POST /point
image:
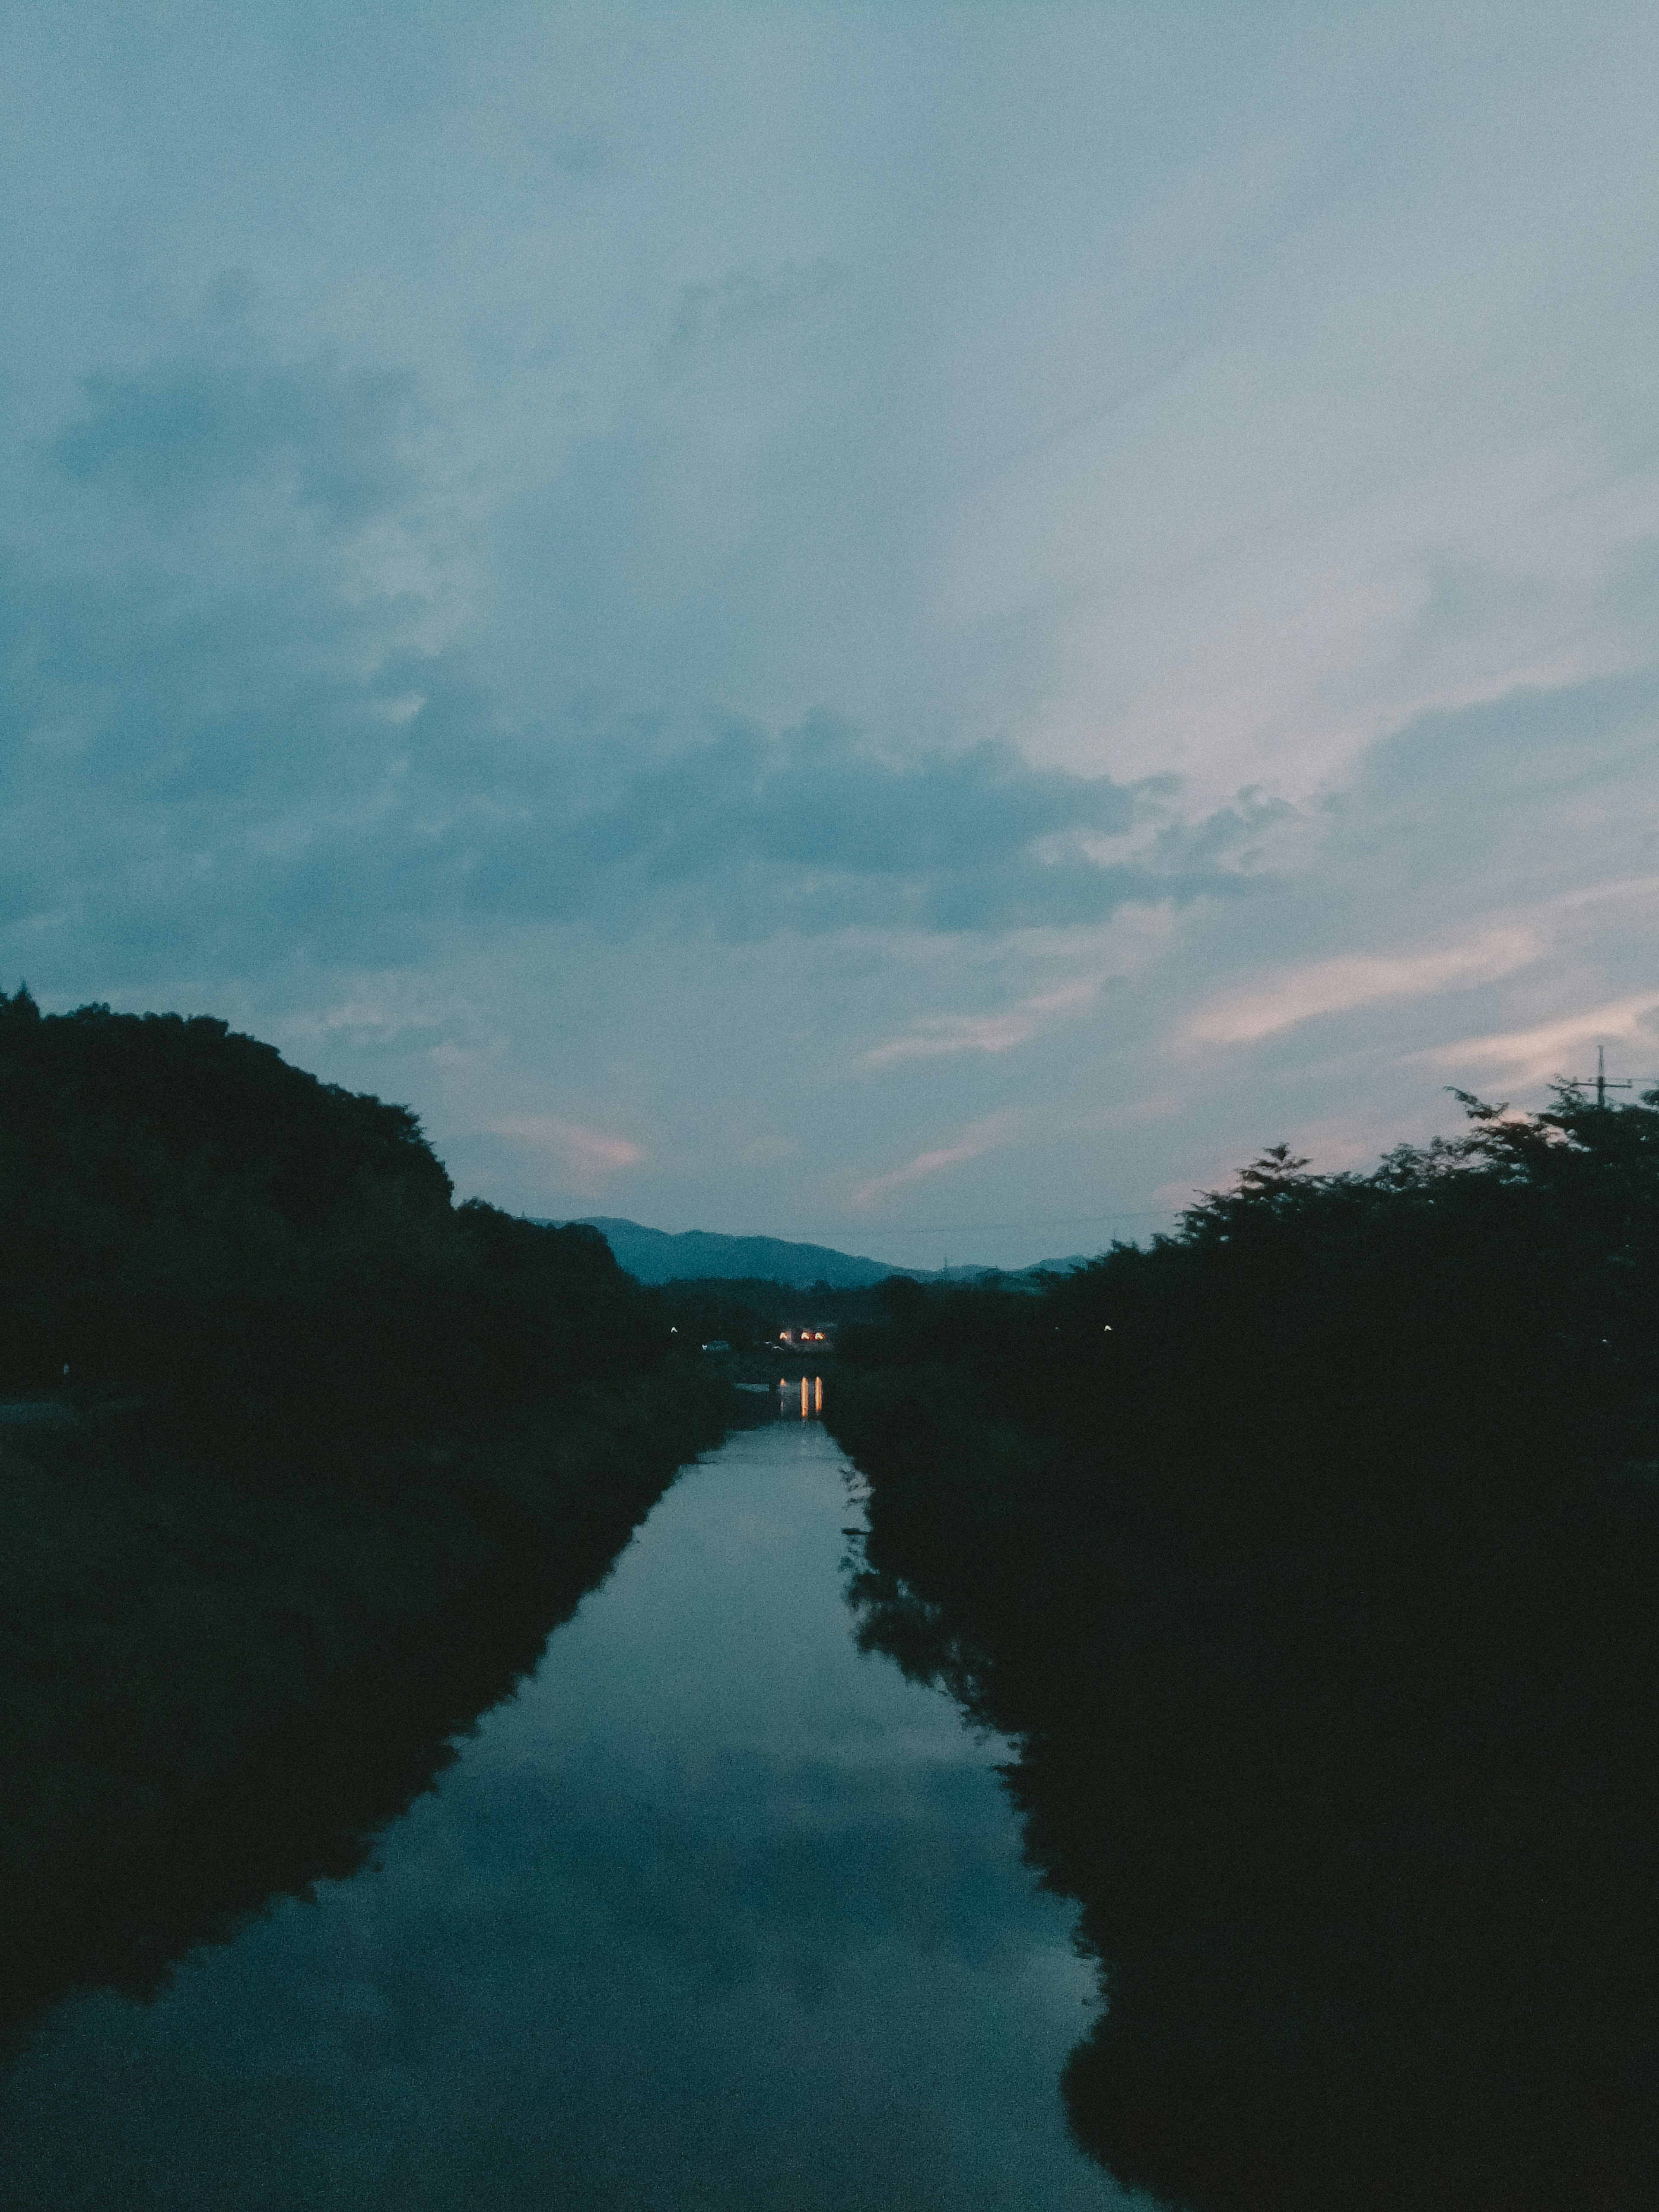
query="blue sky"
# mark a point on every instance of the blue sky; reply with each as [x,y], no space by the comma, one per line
[916,627]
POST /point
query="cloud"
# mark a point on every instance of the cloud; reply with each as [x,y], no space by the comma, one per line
[243,739]
[744,301]
[1335,986]
[817,829]
[549,577]
[260,758]
[938,1034]
[1526,742]
[982,1137]
[1536,1055]
[185,430]
[588,1155]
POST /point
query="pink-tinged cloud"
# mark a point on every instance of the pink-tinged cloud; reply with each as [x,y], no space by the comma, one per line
[982,1137]
[936,1035]
[587,1154]
[1337,987]
[1534,1055]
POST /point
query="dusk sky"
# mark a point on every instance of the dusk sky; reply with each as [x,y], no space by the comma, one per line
[916,627]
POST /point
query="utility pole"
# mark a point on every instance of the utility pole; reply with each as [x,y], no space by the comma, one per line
[1603,1083]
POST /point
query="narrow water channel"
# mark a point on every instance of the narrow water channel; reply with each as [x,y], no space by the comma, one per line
[715,1912]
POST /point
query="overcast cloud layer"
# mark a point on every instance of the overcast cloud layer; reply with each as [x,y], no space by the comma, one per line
[917,628]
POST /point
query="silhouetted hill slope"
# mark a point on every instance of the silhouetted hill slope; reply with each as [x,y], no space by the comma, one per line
[185,1216]
[655,1255]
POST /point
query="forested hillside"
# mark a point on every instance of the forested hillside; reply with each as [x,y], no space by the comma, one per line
[186,1215]
[299,1463]
[1311,1558]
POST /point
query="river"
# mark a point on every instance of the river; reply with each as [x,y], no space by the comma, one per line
[716,1911]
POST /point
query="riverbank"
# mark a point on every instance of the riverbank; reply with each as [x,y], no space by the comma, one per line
[712,1912]
[335,1452]
[222,1670]
[1311,1560]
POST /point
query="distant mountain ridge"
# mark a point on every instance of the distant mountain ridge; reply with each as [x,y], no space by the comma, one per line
[655,1255]
[658,1256]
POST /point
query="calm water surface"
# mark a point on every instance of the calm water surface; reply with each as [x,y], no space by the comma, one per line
[714,1912]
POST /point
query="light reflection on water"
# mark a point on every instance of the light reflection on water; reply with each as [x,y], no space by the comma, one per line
[811,1397]
[715,1912]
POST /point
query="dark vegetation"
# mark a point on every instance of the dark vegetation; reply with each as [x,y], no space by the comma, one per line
[749,1315]
[1310,1557]
[300,1463]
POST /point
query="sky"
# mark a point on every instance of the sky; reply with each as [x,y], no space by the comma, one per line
[918,627]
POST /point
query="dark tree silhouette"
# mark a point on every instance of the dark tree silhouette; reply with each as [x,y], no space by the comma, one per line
[1310,1557]
[330,1455]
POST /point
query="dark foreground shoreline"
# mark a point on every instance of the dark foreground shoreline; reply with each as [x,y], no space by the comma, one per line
[1310,1559]
[334,1454]
[228,1664]
[1366,1860]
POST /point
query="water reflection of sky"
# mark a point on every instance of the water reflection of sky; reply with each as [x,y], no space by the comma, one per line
[716,1913]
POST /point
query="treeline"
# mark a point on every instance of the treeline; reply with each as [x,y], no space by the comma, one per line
[186,1215]
[301,1463]
[749,1313]
[1310,1557]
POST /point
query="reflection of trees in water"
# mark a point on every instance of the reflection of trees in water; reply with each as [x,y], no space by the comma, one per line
[1370,1872]
[329,1455]
[117,1857]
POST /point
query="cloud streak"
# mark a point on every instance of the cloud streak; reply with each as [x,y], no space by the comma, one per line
[936,1036]
[980,1138]
[1355,980]
[588,1156]
[1540,1053]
